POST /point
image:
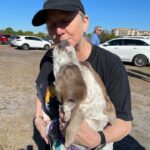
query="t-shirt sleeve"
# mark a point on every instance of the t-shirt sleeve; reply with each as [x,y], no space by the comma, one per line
[45,75]
[119,90]
[45,86]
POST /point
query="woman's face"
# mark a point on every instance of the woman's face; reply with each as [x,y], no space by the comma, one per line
[68,26]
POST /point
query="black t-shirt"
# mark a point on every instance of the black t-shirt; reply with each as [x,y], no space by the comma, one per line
[112,72]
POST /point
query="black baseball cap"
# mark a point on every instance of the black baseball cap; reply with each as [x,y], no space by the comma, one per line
[63,5]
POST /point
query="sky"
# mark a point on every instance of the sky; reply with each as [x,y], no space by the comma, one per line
[108,14]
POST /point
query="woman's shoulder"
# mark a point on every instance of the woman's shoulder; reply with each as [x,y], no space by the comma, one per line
[105,57]
[106,63]
[48,57]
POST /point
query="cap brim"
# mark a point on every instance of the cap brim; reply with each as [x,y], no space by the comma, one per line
[39,18]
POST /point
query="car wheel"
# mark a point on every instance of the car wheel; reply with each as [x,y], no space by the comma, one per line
[46,47]
[25,46]
[140,60]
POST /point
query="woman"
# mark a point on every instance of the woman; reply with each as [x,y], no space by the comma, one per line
[66,20]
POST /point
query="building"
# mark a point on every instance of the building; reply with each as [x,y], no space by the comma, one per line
[144,33]
[129,32]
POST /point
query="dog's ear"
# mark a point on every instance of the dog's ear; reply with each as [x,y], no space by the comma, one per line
[59,82]
[77,118]
[59,87]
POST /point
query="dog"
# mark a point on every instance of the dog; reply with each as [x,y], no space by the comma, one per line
[81,92]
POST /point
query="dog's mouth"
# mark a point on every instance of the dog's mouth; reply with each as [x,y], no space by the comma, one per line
[65,45]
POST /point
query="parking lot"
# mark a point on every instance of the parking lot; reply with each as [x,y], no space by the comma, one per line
[18,71]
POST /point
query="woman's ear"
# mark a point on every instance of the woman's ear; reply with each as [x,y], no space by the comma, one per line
[86,23]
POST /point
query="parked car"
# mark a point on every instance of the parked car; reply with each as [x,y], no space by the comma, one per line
[51,42]
[4,38]
[141,37]
[133,50]
[28,42]
[14,37]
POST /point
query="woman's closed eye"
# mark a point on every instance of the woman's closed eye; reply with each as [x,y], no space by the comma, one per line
[62,24]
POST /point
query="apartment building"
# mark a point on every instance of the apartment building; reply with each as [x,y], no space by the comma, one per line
[129,32]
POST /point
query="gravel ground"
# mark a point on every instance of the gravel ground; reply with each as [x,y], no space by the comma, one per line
[18,71]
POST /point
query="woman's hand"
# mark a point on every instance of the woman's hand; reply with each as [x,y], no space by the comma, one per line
[41,127]
[85,136]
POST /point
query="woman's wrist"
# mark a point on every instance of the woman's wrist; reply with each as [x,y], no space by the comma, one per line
[102,142]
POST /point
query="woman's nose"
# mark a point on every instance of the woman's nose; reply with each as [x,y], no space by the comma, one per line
[60,30]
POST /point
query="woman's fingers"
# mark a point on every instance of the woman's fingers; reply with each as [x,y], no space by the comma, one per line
[41,126]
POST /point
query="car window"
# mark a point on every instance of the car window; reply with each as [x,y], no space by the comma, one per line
[134,42]
[32,38]
[36,39]
[29,38]
[15,37]
[116,42]
[7,36]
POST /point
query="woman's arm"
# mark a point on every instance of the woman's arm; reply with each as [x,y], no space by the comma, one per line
[40,121]
[38,107]
[90,138]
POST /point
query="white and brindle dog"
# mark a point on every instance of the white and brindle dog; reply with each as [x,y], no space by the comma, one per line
[81,92]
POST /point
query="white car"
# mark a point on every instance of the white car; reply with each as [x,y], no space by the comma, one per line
[27,42]
[132,50]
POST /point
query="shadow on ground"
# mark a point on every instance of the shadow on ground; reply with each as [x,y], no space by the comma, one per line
[138,74]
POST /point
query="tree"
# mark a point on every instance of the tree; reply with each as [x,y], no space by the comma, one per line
[9,30]
[106,35]
[40,34]
[20,32]
[1,31]
[28,33]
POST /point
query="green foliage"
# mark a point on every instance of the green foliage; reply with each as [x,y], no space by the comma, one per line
[28,33]
[20,32]
[9,30]
[105,36]
[1,31]
[40,34]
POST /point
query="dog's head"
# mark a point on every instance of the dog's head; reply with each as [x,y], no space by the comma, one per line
[70,87]
[64,53]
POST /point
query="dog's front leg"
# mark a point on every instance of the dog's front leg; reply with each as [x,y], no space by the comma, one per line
[74,124]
